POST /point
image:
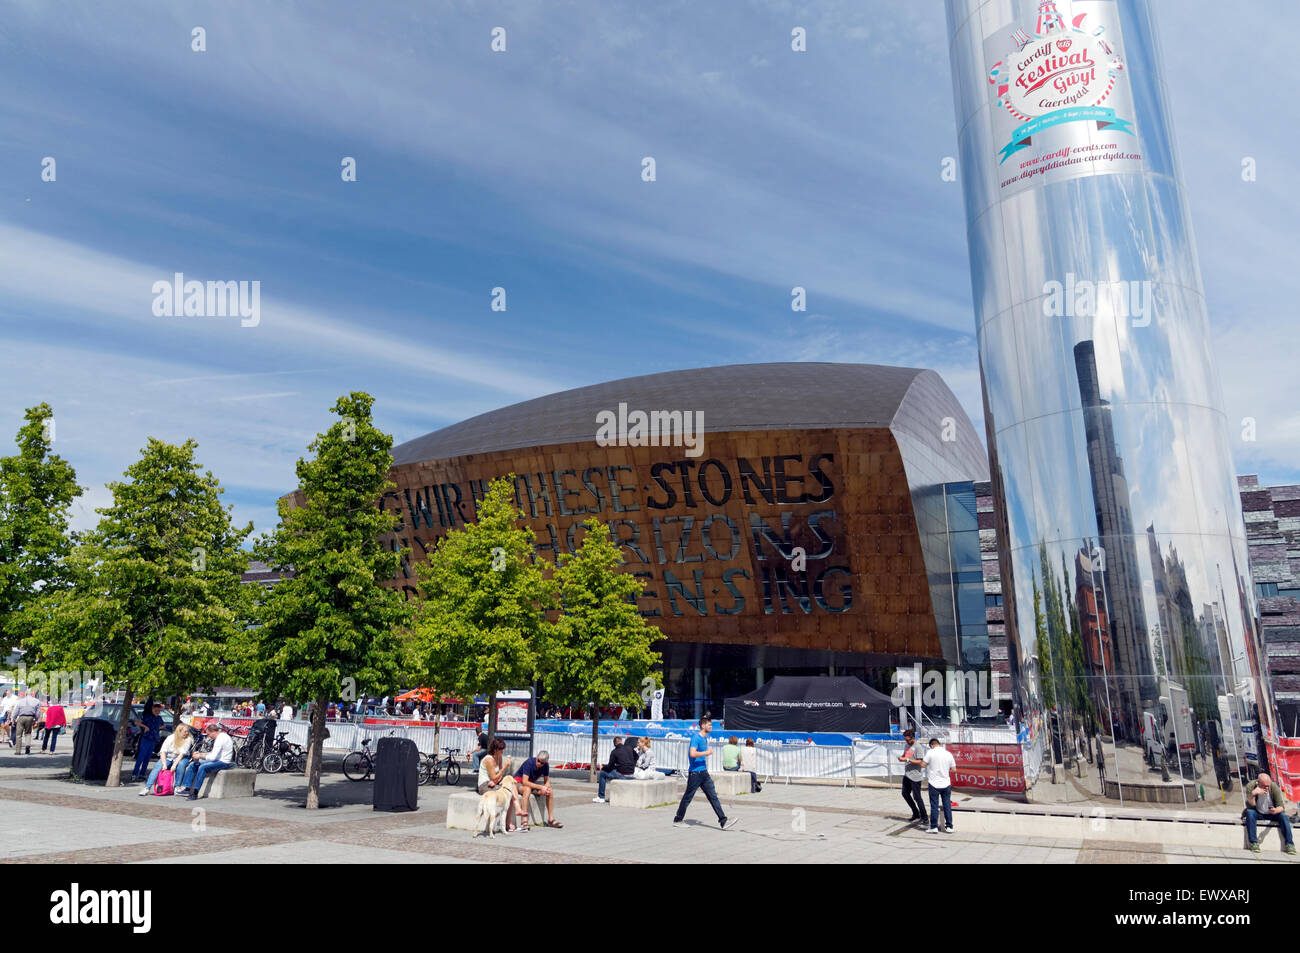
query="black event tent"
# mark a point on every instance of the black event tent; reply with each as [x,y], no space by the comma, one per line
[809,703]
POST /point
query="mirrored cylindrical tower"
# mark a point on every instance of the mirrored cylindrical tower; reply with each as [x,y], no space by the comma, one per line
[1131,615]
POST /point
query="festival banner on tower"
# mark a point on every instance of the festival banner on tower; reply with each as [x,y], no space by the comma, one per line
[1062,106]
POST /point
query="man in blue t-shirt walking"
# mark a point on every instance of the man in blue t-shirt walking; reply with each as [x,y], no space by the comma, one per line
[698,776]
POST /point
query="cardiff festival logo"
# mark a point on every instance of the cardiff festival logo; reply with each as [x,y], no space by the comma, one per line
[1057,75]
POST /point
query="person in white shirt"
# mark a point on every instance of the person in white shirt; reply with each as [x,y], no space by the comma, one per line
[748,763]
[203,763]
[939,765]
[171,757]
[26,708]
[7,715]
[286,713]
[645,762]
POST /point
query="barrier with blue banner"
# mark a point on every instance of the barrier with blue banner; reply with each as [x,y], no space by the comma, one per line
[684,728]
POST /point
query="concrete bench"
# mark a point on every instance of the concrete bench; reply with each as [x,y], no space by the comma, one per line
[462,809]
[231,782]
[730,783]
[643,793]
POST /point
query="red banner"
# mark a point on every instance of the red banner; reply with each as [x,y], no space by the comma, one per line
[989,779]
[1286,766]
[989,767]
[988,755]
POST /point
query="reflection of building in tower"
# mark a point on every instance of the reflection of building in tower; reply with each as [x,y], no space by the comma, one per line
[1094,630]
[1120,578]
[995,601]
[1174,603]
[1214,643]
[1188,643]
[1022,673]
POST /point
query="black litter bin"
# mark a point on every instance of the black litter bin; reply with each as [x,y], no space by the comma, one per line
[397,769]
[92,748]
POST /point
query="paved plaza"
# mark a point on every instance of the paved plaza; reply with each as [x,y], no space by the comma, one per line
[48,818]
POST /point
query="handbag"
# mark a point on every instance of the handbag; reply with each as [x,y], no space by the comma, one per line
[166,782]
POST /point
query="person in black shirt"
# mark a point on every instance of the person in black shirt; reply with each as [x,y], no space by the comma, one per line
[534,779]
[621,766]
[482,751]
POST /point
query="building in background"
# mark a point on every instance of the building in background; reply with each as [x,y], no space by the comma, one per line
[1272,515]
[818,519]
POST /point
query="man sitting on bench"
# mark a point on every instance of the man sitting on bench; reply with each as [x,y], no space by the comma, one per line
[533,779]
[203,763]
[1265,802]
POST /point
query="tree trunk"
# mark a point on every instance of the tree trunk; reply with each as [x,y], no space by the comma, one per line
[492,718]
[119,742]
[595,741]
[314,752]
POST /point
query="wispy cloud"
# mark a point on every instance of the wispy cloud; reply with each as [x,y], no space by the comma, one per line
[522,171]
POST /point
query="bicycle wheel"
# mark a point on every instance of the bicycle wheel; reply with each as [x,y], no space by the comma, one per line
[356,766]
[453,772]
[273,763]
[422,776]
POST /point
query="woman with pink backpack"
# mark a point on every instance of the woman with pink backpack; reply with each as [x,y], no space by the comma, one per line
[177,747]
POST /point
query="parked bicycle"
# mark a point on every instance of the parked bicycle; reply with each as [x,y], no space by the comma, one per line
[431,767]
[358,765]
[285,756]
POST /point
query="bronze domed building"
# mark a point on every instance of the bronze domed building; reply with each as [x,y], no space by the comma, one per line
[785,518]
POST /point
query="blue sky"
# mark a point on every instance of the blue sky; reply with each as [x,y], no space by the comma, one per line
[522,170]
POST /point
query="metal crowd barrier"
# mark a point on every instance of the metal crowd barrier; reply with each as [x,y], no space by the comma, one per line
[865,759]
[875,759]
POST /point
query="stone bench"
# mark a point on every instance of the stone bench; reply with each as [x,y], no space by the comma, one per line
[231,782]
[643,793]
[462,810]
[730,783]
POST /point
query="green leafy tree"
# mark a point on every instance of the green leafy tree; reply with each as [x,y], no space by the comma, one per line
[1046,684]
[154,597]
[332,629]
[599,649]
[1080,674]
[36,491]
[481,620]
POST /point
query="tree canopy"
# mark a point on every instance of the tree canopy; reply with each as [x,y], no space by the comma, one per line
[331,629]
[37,488]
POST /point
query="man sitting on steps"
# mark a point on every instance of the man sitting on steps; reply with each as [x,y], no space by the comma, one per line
[1265,802]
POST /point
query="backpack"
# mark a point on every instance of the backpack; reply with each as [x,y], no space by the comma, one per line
[166,780]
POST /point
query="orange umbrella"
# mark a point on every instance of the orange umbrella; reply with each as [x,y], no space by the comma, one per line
[425,695]
[416,695]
